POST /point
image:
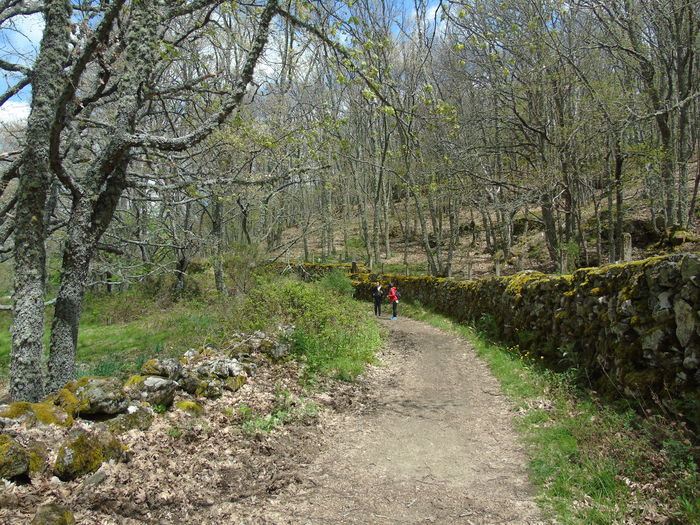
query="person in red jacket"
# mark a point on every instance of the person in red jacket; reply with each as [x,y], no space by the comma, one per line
[393,297]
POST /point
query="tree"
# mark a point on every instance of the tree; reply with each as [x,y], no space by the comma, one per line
[97,104]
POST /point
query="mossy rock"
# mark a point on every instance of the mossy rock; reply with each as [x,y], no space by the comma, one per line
[68,401]
[170,368]
[38,457]
[233,384]
[154,390]
[83,452]
[98,395]
[53,514]
[32,413]
[210,388]
[136,418]
[14,459]
[191,407]
[642,382]
[134,381]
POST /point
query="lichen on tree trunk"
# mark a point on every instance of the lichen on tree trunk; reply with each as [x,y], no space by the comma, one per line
[26,367]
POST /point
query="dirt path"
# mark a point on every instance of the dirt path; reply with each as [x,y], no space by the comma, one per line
[434,445]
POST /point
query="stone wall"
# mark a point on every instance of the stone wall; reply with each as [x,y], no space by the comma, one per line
[633,329]
[312,271]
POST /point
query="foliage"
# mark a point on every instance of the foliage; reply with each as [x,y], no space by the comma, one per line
[120,331]
[240,264]
[592,463]
[333,333]
[284,410]
[337,283]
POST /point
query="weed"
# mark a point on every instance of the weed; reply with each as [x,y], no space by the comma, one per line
[336,282]
[159,408]
[333,336]
[284,410]
[175,432]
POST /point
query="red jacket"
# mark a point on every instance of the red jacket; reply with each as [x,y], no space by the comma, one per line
[392,295]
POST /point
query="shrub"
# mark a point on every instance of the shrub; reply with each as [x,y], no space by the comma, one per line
[333,333]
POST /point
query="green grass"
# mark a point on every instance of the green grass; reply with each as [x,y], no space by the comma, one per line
[118,332]
[334,336]
[592,463]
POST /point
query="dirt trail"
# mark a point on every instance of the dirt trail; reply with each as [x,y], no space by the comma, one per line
[434,445]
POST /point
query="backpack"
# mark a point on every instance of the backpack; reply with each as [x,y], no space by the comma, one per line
[398,294]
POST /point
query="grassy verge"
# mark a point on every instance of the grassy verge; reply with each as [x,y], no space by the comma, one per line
[592,463]
[333,334]
[118,332]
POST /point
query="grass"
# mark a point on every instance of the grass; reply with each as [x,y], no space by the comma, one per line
[118,332]
[592,463]
[334,336]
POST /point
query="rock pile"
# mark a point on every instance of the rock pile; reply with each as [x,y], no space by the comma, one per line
[72,432]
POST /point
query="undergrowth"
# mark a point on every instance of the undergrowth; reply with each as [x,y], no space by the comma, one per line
[119,331]
[284,410]
[333,335]
[592,463]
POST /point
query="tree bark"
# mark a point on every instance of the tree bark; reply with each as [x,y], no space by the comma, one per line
[550,229]
[26,368]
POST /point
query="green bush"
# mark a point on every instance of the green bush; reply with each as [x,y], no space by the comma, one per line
[337,282]
[333,334]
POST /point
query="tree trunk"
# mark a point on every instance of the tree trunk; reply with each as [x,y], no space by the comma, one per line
[87,223]
[66,320]
[26,368]
[619,211]
[218,233]
[550,229]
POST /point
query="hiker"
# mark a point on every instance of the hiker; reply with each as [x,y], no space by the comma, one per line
[378,295]
[393,297]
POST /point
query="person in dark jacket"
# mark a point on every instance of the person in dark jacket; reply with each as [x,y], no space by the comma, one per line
[394,300]
[378,295]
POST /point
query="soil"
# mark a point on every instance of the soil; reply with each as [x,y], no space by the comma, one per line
[433,443]
[426,437]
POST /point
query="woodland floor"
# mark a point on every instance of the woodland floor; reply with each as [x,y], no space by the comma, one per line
[425,438]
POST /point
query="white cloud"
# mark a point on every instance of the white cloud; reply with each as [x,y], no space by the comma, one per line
[31,26]
[14,112]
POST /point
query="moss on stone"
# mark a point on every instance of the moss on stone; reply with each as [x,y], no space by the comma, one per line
[38,456]
[235,383]
[14,459]
[642,381]
[151,368]
[209,388]
[68,401]
[83,453]
[139,419]
[80,456]
[518,281]
[45,412]
[134,381]
[191,407]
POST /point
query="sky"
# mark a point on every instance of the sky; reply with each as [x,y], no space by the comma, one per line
[23,42]
[19,45]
